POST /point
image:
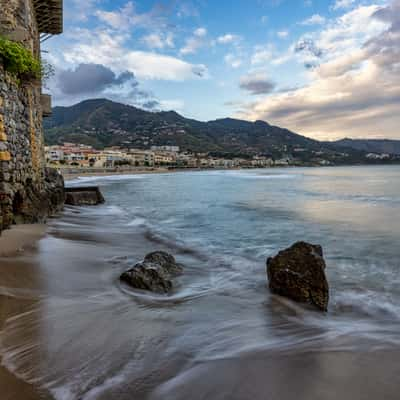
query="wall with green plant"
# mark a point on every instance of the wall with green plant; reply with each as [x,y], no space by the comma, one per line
[19,61]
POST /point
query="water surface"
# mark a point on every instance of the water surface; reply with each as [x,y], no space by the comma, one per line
[221,334]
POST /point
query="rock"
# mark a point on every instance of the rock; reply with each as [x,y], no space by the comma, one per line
[55,193]
[83,196]
[154,273]
[299,274]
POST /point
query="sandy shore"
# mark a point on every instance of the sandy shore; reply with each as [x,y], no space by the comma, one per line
[20,238]
[16,242]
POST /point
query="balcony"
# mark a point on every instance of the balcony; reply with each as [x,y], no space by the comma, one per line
[49,16]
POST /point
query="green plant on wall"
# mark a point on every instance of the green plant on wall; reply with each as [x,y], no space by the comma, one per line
[19,61]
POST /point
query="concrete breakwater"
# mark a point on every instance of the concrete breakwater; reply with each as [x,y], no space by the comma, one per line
[83,196]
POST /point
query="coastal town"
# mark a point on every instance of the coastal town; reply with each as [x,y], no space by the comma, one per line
[86,157]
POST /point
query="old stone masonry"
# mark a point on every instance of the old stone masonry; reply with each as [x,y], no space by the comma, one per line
[28,191]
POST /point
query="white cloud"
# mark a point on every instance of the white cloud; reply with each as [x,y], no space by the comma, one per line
[283,34]
[172,104]
[80,10]
[355,89]
[262,55]
[233,60]
[228,38]
[315,19]
[108,49]
[342,4]
[200,32]
[195,42]
[127,17]
[158,41]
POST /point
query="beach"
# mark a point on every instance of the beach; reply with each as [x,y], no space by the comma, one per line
[71,330]
[20,241]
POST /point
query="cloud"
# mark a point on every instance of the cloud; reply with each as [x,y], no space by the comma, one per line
[256,84]
[195,42]
[233,60]
[228,38]
[282,34]
[200,32]
[127,18]
[80,10]
[355,88]
[315,19]
[262,55]
[92,79]
[159,41]
[342,4]
[100,47]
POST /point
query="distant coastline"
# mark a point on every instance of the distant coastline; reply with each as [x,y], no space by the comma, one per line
[73,173]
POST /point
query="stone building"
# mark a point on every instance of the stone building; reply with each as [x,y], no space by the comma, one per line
[28,192]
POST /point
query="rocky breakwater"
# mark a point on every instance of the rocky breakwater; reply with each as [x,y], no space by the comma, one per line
[154,273]
[299,274]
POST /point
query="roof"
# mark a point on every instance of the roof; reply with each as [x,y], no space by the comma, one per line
[49,16]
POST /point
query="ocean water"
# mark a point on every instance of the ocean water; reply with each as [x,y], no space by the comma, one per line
[87,336]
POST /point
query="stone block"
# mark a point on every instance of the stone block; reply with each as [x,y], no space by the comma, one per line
[5,156]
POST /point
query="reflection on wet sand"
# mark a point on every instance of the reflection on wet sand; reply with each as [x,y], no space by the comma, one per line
[19,290]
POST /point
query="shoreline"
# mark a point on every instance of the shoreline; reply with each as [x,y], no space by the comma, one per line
[19,238]
[17,241]
[70,174]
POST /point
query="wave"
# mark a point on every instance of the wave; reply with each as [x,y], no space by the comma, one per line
[257,175]
[103,179]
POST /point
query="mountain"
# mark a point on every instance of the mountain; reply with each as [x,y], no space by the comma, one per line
[102,123]
[372,145]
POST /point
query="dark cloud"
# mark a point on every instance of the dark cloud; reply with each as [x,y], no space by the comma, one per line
[92,79]
[309,47]
[256,84]
[89,80]
[151,105]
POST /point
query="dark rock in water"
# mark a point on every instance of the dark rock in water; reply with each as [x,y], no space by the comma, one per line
[83,196]
[166,261]
[154,273]
[299,273]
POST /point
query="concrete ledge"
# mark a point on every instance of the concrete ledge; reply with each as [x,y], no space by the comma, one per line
[83,196]
[45,102]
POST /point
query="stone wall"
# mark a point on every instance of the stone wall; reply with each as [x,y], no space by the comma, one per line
[28,192]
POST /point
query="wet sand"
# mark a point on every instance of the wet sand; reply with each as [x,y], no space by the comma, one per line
[19,240]
[365,371]
[314,375]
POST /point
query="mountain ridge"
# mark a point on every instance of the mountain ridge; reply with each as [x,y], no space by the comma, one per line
[103,123]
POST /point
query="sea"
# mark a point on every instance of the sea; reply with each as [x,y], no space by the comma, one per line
[220,334]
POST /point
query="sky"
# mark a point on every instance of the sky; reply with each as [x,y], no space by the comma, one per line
[326,69]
